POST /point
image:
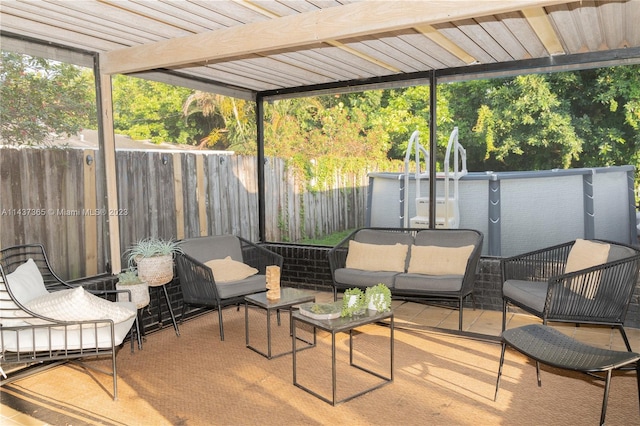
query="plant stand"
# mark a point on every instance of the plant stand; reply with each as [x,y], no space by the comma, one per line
[157,271]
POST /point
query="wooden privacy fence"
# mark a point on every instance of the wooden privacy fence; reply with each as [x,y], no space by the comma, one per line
[57,197]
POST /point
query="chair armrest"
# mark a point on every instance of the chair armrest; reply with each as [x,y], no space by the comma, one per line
[601,293]
[259,257]
[338,254]
[196,280]
[539,265]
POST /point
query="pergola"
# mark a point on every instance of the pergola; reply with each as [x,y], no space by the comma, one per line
[267,50]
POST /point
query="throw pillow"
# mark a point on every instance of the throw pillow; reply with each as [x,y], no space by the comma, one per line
[227,269]
[26,282]
[585,254]
[434,260]
[77,305]
[377,257]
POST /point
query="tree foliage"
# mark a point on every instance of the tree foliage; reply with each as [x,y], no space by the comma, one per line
[530,122]
[43,99]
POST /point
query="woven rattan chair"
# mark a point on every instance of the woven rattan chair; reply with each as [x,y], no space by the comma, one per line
[201,288]
[537,283]
[28,338]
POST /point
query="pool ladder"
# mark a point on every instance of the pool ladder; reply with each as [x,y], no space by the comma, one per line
[447,206]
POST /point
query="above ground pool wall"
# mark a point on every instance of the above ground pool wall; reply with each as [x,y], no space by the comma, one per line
[523,211]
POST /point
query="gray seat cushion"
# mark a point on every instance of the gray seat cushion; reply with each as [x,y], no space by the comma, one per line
[360,278]
[253,284]
[529,293]
[428,283]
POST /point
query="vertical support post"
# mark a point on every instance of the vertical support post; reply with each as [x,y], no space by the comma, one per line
[588,205]
[367,220]
[107,144]
[404,220]
[261,161]
[495,237]
[433,141]
[633,230]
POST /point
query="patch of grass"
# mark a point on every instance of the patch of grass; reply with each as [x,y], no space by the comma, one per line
[328,240]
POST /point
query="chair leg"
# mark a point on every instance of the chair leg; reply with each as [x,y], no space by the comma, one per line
[606,396]
[624,337]
[460,314]
[504,347]
[538,374]
[504,315]
[114,371]
[638,379]
[220,321]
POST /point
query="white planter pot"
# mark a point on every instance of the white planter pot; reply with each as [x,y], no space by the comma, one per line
[375,299]
[139,294]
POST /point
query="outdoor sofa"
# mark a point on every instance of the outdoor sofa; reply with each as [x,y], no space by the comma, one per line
[416,264]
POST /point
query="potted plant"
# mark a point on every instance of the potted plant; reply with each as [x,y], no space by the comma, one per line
[353,302]
[129,280]
[378,298]
[154,259]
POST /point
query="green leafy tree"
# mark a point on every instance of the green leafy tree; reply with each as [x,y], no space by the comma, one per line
[527,126]
[232,124]
[151,110]
[43,99]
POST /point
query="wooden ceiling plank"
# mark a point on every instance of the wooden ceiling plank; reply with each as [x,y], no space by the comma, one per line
[460,38]
[632,11]
[432,54]
[82,25]
[18,25]
[333,23]
[524,34]
[500,32]
[113,12]
[537,18]
[434,35]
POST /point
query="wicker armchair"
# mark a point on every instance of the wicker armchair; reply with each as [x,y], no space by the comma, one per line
[28,338]
[201,287]
[537,283]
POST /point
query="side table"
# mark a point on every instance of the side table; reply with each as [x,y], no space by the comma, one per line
[288,298]
[340,325]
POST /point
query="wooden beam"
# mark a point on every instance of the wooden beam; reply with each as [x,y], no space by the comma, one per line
[109,152]
[304,29]
[437,37]
[540,23]
[90,220]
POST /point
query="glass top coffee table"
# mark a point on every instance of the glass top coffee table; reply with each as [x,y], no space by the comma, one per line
[343,325]
[289,297]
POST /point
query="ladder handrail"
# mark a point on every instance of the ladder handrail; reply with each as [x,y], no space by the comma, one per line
[459,154]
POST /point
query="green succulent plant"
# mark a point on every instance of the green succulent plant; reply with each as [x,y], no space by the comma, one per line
[355,308]
[382,304]
[150,247]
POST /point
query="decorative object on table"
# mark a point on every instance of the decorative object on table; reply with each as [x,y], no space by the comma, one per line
[154,259]
[353,302]
[321,311]
[129,280]
[273,282]
[378,298]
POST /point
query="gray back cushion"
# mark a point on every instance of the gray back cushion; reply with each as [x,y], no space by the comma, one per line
[617,252]
[213,247]
[375,236]
[446,238]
